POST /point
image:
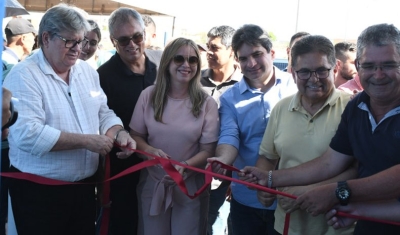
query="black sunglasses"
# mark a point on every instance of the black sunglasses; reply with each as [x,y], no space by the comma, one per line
[124,41]
[180,59]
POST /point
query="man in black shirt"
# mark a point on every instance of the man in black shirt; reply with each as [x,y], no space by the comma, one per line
[123,78]
[222,73]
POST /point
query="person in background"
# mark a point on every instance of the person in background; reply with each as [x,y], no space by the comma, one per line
[63,125]
[300,128]
[151,33]
[368,128]
[223,70]
[352,86]
[345,53]
[176,106]
[123,77]
[297,36]
[244,112]
[222,73]
[203,55]
[93,38]
[20,35]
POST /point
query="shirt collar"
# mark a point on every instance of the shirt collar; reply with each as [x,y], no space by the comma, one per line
[295,103]
[148,66]
[244,86]
[236,75]
[45,66]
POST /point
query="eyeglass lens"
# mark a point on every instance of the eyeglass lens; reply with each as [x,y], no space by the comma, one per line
[306,74]
[192,60]
[124,41]
[72,43]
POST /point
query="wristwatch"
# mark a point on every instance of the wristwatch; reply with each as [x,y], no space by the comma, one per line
[343,193]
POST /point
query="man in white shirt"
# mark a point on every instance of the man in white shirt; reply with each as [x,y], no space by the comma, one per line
[63,125]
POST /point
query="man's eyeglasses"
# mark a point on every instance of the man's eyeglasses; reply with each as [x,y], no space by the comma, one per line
[72,43]
[192,60]
[370,68]
[319,73]
[124,41]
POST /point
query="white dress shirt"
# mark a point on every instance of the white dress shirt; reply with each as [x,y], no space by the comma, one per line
[48,106]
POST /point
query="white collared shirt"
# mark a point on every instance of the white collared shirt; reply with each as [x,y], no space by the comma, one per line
[48,106]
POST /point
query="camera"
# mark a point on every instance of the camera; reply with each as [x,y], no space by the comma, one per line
[14,114]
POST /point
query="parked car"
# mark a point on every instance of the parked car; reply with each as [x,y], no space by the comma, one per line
[281,64]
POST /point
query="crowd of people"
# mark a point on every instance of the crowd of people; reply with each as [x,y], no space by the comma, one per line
[324,130]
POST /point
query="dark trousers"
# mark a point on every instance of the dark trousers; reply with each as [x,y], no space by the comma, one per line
[49,210]
[251,221]
[371,228]
[124,202]
[5,166]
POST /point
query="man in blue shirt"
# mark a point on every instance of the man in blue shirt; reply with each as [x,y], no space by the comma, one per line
[244,113]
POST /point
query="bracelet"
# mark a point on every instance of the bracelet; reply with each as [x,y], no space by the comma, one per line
[185,162]
[119,131]
[269,179]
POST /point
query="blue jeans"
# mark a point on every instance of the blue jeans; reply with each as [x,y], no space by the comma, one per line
[251,221]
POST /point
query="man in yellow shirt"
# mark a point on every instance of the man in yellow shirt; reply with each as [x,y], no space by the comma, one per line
[300,129]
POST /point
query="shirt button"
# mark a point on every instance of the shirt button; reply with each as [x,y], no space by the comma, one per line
[311,121]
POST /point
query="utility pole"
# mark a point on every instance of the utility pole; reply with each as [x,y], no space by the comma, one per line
[297,16]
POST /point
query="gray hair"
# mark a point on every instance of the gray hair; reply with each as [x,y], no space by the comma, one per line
[61,18]
[378,35]
[253,35]
[313,43]
[224,32]
[122,15]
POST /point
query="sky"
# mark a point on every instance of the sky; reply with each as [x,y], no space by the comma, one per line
[335,19]
[339,20]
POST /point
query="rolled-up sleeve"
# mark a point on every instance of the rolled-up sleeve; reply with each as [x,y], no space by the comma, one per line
[229,131]
[30,129]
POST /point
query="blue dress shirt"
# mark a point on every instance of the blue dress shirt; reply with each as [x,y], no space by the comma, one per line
[244,114]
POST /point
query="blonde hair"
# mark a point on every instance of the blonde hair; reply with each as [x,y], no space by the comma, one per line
[163,82]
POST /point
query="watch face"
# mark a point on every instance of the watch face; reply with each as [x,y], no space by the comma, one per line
[343,193]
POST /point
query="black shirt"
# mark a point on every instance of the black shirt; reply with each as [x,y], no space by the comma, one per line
[123,87]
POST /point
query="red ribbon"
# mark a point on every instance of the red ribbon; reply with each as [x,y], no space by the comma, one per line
[105,212]
[168,165]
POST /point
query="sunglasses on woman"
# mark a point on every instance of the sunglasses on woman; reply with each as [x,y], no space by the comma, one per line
[180,59]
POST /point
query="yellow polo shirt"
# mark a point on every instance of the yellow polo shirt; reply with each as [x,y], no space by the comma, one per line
[295,137]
